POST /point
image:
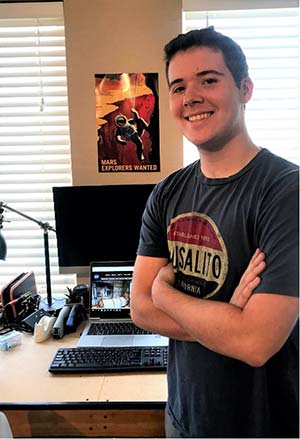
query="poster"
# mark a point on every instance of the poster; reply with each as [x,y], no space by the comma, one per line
[127,122]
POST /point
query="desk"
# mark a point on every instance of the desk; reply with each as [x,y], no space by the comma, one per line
[82,405]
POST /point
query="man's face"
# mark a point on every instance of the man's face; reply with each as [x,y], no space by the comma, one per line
[204,98]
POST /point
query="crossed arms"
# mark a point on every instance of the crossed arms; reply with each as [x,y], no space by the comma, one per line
[251,328]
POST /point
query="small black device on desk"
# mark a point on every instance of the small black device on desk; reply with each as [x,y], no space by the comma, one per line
[116,359]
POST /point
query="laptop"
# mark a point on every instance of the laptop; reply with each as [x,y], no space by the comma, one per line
[109,306]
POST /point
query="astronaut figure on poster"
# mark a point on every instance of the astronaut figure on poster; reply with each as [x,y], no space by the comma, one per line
[131,130]
[127,122]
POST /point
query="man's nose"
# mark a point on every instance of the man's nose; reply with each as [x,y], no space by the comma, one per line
[192,96]
[189,102]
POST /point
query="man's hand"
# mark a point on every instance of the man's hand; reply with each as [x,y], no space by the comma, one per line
[250,280]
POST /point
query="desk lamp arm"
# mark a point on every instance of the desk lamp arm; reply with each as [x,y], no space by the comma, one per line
[46,227]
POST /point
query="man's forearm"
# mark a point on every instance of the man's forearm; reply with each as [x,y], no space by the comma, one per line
[147,316]
[216,325]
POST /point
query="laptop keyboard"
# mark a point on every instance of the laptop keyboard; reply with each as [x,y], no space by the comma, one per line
[115,328]
[117,359]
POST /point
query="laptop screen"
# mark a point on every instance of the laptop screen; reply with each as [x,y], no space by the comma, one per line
[110,287]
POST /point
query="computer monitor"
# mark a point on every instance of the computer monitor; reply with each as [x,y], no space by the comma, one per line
[98,223]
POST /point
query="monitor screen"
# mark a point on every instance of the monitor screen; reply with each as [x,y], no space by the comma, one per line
[98,223]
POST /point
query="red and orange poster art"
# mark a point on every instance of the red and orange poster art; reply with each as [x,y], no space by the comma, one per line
[127,122]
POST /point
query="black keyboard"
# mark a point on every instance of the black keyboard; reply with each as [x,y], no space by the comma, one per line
[116,359]
[115,328]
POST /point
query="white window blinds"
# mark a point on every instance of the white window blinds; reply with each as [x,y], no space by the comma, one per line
[34,137]
[270,40]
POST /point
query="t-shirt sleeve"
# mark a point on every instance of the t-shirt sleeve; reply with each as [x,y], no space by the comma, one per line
[278,238]
[153,240]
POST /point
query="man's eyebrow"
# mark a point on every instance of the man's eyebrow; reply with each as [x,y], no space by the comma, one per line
[207,72]
[201,73]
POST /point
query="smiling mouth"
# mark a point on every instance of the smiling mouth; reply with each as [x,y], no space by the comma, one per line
[199,116]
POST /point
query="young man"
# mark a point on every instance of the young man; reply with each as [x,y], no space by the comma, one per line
[233,361]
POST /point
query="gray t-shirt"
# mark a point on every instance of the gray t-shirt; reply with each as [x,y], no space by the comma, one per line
[209,230]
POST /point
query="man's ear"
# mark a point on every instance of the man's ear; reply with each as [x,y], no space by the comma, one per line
[246,90]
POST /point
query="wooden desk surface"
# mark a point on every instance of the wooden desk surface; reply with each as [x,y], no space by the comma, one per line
[24,377]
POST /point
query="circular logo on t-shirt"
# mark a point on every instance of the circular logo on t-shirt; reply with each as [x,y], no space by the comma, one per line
[198,254]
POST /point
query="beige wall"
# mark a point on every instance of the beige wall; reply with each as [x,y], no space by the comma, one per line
[111,36]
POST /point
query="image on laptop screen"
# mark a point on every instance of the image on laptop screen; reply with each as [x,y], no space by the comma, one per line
[110,288]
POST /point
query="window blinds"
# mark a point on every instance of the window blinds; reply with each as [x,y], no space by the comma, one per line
[34,141]
[270,40]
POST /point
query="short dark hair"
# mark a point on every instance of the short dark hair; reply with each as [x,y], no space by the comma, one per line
[233,55]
